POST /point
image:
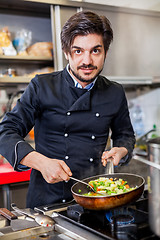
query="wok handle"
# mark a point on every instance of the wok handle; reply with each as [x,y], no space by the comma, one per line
[110,166]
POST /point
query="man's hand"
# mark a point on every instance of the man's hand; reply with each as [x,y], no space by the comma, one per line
[116,153]
[52,170]
[55,171]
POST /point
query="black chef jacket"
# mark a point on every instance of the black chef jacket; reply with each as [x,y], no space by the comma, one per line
[70,124]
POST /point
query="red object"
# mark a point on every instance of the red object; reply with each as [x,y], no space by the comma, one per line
[8,175]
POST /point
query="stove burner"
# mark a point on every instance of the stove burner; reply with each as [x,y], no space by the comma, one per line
[123,223]
[120,216]
[122,219]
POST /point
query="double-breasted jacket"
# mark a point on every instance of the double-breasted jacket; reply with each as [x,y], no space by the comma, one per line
[70,124]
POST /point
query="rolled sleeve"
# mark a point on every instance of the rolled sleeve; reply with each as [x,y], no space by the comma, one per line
[22,149]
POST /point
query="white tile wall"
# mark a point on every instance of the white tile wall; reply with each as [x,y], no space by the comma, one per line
[150,105]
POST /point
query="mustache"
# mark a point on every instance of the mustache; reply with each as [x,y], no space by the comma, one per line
[90,66]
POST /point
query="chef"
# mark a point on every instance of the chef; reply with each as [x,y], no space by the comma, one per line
[72,112]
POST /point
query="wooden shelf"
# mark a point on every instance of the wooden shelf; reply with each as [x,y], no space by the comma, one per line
[26,58]
[15,80]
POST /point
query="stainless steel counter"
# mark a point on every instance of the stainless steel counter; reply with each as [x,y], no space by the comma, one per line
[62,229]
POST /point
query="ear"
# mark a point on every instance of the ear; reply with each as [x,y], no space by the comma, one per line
[66,55]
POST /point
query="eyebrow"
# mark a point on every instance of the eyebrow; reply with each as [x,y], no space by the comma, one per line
[97,46]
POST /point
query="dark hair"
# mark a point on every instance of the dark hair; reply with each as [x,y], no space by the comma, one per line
[83,23]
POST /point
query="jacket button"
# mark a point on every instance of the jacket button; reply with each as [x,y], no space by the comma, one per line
[97,114]
[66,157]
[91,159]
[63,200]
[68,113]
[93,137]
[66,134]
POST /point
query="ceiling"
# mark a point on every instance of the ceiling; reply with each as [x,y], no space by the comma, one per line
[153,5]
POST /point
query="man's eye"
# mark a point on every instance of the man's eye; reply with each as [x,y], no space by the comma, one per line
[96,50]
[78,51]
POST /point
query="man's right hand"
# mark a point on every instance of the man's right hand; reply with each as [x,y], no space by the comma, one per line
[52,170]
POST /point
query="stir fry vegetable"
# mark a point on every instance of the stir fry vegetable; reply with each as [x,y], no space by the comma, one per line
[109,186]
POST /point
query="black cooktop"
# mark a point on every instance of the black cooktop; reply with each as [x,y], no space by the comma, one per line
[124,223]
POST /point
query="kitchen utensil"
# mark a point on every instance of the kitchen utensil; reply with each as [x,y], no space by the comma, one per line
[111,201]
[80,181]
[77,180]
[41,219]
[15,223]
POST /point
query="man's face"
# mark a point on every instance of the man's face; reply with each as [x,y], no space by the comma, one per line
[87,58]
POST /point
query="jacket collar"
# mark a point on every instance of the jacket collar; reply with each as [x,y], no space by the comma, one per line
[83,102]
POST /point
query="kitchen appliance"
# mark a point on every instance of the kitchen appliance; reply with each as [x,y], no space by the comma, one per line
[130,222]
[153,154]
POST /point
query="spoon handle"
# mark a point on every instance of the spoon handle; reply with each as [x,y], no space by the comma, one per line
[14,206]
[77,180]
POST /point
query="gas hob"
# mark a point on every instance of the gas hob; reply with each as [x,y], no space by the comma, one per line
[129,222]
[74,222]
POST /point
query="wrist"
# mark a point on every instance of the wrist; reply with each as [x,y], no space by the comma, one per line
[124,151]
[33,160]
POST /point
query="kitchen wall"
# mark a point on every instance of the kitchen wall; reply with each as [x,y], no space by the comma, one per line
[136,4]
[134,51]
[149,102]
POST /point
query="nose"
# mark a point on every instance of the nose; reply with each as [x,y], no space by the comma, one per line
[87,58]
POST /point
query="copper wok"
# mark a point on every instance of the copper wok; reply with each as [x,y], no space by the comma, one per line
[109,202]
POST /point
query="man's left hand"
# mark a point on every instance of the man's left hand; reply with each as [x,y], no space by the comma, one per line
[116,153]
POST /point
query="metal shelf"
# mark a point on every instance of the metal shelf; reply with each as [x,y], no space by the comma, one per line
[135,81]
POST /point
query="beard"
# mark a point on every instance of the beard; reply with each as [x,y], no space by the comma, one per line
[87,67]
